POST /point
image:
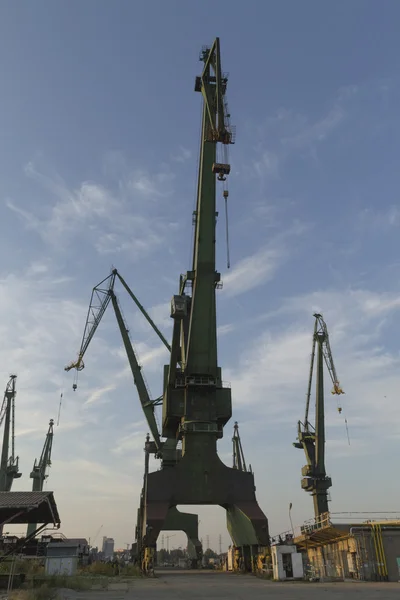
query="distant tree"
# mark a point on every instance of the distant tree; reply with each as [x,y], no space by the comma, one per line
[210,554]
[162,556]
[176,554]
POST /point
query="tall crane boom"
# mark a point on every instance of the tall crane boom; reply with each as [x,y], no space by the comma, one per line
[39,471]
[142,389]
[194,360]
[312,438]
[196,403]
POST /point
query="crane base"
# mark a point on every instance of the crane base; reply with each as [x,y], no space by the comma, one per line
[204,479]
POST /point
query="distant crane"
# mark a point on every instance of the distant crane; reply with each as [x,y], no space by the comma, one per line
[8,464]
[96,535]
[312,438]
[238,455]
[39,471]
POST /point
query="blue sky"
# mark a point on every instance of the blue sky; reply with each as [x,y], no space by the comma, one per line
[98,162]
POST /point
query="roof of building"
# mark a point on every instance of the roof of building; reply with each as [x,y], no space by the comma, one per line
[28,507]
[79,541]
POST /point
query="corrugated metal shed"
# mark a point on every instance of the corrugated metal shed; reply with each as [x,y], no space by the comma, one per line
[28,507]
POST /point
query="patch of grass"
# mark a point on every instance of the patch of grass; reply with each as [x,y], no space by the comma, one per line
[27,566]
[108,570]
[42,593]
[131,571]
[98,568]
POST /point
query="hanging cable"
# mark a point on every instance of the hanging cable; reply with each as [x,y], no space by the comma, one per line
[347,431]
[228,260]
[59,409]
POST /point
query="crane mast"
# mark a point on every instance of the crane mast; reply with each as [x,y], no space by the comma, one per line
[8,464]
[39,471]
[192,380]
[312,438]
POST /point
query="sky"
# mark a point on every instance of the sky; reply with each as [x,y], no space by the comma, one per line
[99,146]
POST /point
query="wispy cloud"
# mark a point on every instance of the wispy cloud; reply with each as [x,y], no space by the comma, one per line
[276,364]
[254,270]
[381,219]
[182,155]
[99,393]
[260,267]
[288,132]
[119,220]
[225,329]
[154,185]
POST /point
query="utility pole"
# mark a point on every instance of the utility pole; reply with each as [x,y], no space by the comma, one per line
[208,541]
[220,544]
[167,538]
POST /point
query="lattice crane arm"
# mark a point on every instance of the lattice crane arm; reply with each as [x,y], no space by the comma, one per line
[143,311]
[98,304]
[323,337]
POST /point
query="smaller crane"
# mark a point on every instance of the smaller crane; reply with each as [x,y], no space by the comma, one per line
[38,473]
[9,464]
[312,439]
[238,455]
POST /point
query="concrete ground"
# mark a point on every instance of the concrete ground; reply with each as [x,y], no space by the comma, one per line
[209,585]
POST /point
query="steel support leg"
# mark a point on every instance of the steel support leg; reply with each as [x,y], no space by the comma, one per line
[206,481]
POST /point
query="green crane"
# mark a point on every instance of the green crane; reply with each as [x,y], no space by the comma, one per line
[9,468]
[312,438]
[196,402]
[39,471]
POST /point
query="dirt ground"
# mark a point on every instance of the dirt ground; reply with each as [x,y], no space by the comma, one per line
[202,585]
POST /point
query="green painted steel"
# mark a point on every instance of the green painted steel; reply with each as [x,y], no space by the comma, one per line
[39,471]
[196,404]
[312,438]
[9,465]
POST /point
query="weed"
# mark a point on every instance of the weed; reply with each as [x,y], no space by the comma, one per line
[42,593]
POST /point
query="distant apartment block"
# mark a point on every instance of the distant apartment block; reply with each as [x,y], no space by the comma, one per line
[108,548]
